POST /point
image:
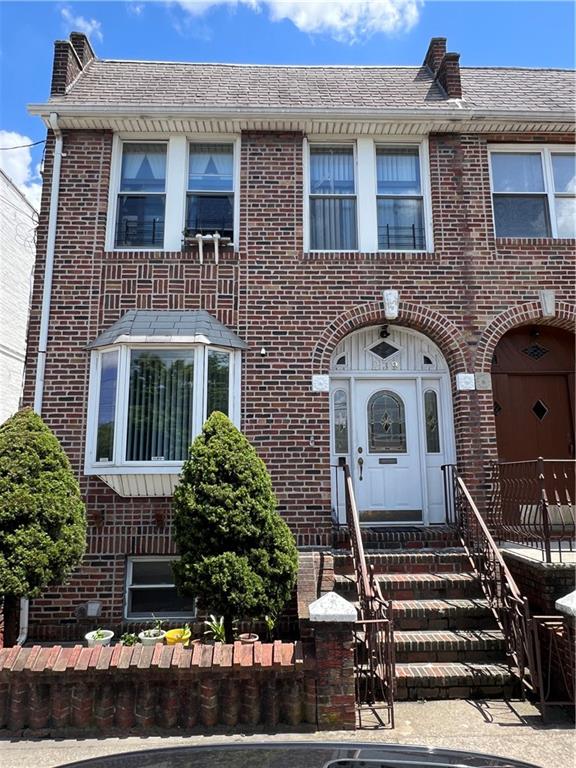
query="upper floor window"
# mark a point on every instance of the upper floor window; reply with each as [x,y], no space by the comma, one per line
[368,197]
[534,192]
[210,200]
[162,190]
[142,196]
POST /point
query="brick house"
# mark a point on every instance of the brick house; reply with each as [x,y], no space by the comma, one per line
[373,263]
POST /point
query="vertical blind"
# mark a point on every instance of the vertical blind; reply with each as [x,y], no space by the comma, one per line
[332,199]
[160,408]
[107,406]
[400,203]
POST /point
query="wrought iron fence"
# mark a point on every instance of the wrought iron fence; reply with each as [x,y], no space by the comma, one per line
[507,603]
[533,504]
[554,655]
[374,632]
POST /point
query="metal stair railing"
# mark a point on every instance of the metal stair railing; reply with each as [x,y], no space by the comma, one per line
[507,603]
[374,631]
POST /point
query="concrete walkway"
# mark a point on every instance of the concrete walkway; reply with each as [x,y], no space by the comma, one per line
[511,729]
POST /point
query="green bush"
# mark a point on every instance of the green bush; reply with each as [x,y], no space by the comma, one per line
[42,516]
[237,555]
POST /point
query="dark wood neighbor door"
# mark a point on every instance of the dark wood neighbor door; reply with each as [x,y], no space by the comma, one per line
[533,387]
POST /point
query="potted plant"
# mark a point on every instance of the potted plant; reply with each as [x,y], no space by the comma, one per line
[153,635]
[179,635]
[215,631]
[98,637]
[128,638]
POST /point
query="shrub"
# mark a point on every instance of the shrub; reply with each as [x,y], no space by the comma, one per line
[237,555]
[42,516]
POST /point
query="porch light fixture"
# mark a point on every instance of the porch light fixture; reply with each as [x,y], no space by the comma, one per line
[391,301]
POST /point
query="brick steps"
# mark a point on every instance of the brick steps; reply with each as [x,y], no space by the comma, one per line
[449,560]
[417,586]
[437,537]
[456,613]
[450,645]
[453,681]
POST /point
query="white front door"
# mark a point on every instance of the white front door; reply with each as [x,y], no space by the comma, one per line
[386,451]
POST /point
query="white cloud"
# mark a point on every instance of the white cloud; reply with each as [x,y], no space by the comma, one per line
[345,20]
[17,164]
[91,27]
[136,9]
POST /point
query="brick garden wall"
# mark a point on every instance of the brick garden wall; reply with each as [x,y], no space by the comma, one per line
[541,583]
[464,296]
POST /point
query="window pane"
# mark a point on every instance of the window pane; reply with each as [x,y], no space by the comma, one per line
[107,406]
[218,382]
[164,601]
[386,424]
[564,167]
[432,427]
[516,216]
[160,405]
[340,422]
[333,224]
[398,171]
[207,214]
[566,216]
[140,221]
[516,172]
[331,170]
[400,224]
[211,167]
[143,168]
[152,572]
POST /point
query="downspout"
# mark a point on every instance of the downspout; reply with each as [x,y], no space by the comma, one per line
[45,313]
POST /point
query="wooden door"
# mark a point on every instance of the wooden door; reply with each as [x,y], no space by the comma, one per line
[533,387]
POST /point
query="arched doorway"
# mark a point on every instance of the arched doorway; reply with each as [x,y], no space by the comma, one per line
[533,387]
[391,419]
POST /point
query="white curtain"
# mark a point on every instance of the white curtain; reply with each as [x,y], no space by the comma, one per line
[398,171]
[142,161]
[331,170]
[211,167]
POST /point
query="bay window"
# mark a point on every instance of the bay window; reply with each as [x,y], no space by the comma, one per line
[141,200]
[533,191]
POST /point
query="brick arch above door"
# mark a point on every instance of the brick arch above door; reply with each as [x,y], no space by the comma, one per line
[436,326]
[517,315]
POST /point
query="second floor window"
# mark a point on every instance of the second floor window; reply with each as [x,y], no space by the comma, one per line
[142,196]
[399,199]
[210,199]
[332,199]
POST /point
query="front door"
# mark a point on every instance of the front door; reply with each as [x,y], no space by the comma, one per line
[386,452]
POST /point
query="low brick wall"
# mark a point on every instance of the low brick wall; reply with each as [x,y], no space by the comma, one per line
[56,688]
[542,583]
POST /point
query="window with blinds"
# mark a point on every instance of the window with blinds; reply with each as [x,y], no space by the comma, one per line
[333,225]
[141,199]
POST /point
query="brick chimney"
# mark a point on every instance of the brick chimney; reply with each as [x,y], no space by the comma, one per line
[435,54]
[70,58]
[445,67]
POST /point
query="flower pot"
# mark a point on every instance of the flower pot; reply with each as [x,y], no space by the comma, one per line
[248,638]
[98,637]
[175,636]
[147,638]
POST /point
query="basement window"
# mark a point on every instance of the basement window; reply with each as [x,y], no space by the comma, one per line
[151,591]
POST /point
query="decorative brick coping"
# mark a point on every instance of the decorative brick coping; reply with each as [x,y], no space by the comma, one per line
[162,686]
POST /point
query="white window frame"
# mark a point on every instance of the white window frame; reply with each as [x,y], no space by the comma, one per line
[545,151]
[129,586]
[366,189]
[118,464]
[176,186]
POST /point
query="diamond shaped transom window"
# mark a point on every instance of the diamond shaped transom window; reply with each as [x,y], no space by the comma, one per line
[540,409]
[383,350]
[535,351]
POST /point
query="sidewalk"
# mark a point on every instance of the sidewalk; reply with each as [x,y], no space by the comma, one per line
[512,729]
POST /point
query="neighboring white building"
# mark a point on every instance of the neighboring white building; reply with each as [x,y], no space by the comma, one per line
[18,219]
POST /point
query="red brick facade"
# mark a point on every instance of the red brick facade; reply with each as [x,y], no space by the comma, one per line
[297,305]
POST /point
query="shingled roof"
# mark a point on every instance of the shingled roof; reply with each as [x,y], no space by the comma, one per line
[241,87]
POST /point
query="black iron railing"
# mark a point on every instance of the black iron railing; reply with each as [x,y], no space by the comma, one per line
[403,238]
[554,655]
[533,504]
[374,631]
[507,603]
[140,234]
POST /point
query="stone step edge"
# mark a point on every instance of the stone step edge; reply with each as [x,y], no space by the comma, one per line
[455,605]
[449,639]
[453,672]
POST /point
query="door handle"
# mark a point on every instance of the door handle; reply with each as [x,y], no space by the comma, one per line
[361,465]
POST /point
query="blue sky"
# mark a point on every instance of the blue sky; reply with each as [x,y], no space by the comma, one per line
[496,33]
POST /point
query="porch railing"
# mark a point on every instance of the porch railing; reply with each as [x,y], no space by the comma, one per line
[507,603]
[374,631]
[533,504]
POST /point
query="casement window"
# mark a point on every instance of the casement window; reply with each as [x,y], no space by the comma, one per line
[367,196]
[164,190]
[332,199]
[151,591]
[210,199]
[150,401]
[533,191]
[142,196]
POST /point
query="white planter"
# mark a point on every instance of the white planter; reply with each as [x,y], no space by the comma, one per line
[147,639]
[105,635]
